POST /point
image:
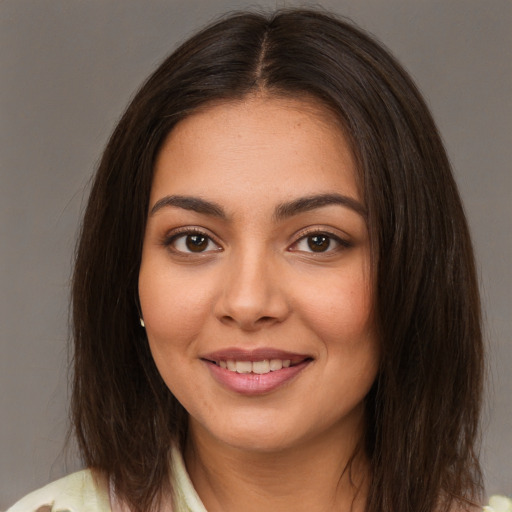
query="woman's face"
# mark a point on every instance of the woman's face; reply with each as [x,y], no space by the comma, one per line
[255,282]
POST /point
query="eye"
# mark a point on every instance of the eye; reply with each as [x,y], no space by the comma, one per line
[320,242]
[192,242]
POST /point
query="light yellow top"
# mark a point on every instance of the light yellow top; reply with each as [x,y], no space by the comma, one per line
[78,492]
[81,492]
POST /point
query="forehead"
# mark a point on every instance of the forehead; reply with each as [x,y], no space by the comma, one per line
[253,146]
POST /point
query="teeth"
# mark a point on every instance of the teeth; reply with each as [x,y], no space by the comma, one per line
[243,366]
[275,364]
[261,367]
[258,367]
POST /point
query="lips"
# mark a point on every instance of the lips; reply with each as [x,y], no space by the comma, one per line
[254,372]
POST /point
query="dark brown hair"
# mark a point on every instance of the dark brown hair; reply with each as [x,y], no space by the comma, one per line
[423,410]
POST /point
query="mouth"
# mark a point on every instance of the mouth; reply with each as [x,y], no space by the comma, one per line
[255,372]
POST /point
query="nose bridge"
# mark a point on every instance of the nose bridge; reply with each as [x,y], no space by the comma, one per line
[252,295]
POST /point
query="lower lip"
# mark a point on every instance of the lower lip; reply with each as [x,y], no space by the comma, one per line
[253,383]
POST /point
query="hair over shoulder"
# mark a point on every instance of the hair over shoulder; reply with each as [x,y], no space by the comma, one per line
[423,410]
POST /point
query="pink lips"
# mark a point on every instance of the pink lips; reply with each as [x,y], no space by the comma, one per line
[252,383]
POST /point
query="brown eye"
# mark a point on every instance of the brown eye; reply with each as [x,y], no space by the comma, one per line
[192,242]
[319,243]
[196,243]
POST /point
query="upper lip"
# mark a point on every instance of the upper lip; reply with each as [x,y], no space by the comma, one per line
[258,354]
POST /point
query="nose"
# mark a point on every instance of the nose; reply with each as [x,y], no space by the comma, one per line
[252,293]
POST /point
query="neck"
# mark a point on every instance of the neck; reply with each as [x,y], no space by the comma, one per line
[324,474]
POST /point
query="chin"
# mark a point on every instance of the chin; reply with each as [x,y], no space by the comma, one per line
[258,442]
[259,435]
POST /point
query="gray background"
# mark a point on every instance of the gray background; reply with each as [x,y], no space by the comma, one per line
[67,70]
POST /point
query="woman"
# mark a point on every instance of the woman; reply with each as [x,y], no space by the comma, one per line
[275,303]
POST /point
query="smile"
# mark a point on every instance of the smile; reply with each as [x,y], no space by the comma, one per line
[255,372]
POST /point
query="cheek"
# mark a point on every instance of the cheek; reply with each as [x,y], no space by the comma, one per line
[173,311]
[339,309]
[340,316]
[173,307]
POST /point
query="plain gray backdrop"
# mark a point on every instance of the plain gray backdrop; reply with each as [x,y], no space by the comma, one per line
[68,69]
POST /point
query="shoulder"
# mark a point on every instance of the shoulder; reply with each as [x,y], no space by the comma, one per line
[78,492]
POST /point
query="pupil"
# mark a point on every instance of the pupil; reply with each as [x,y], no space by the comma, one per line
[196,243]
[318,243]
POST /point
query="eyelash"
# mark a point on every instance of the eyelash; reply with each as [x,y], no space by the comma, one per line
[342,244]
[170,242]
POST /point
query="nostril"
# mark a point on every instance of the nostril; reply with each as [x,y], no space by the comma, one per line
[248,324]
[265,319]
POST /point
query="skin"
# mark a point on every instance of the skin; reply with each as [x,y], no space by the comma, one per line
[258,284]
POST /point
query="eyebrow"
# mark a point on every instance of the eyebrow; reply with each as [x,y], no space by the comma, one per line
[195,204]
[282,211]
[305,204]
